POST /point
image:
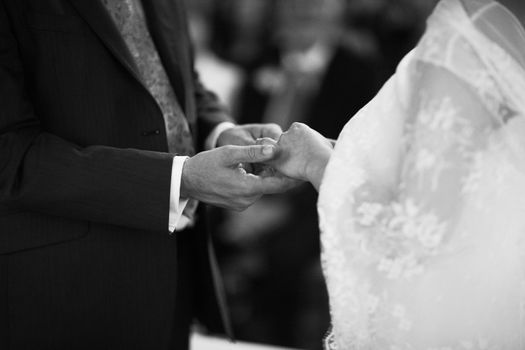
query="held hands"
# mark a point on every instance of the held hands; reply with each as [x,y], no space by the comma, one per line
[248,134]
[302,153]
[222,176]
[215,177]
[244,135]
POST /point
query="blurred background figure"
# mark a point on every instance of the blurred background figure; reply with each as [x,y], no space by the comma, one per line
[221,76]
[314,61]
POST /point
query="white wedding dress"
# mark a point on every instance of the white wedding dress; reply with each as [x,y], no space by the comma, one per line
[422,206]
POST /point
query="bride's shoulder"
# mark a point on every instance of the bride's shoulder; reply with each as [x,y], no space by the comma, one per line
[447,37]
[458,10]
[460,33]
[474,6]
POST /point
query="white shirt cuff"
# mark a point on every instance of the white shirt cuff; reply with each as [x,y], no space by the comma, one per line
[211,140]
[176,220]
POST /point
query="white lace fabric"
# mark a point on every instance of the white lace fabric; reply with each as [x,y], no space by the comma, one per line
[422,207]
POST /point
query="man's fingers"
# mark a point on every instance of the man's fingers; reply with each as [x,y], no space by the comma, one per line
[271,184]
[272,131]
[266,141]
[249,154]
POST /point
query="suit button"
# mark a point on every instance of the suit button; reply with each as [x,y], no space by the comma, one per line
[151,132]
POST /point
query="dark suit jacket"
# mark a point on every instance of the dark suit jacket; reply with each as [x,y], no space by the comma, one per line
[85,178]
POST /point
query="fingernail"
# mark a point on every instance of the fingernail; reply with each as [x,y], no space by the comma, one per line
[268,150]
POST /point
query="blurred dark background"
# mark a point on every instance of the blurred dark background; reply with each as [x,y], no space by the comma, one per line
[314,61]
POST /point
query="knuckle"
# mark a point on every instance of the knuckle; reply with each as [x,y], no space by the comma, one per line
[227,152]
[227,149]
[222,152]
[248,202]
[252,154]
[238,208]
[242,204]
[240,188]
[295,126]
[274,126]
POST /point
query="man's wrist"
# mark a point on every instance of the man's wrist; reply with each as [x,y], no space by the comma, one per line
[183,184]
[211,140]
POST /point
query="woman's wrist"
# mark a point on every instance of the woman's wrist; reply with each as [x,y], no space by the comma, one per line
[316,167]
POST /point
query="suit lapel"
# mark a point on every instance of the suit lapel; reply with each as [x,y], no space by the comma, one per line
[167,25]
[95,14]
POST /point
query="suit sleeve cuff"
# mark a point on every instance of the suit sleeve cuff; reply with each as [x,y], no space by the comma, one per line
[177,204]
[211,140]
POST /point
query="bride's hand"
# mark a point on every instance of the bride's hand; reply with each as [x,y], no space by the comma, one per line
[302,153]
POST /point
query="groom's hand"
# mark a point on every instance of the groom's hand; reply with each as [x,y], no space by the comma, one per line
[248,134]
[216,177]
[244,135]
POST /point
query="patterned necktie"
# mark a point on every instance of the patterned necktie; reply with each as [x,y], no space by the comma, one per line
[129,18]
